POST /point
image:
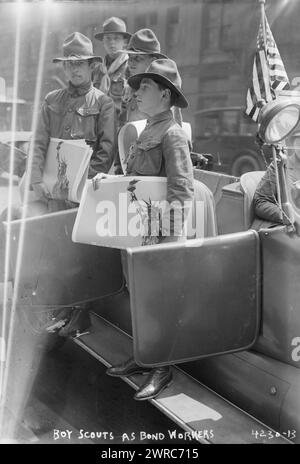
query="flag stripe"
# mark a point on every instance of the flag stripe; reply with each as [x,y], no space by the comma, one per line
[268,73]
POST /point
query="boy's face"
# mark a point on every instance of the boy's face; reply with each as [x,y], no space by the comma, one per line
[113,43]
[149,97]
[139,63]
[78,72]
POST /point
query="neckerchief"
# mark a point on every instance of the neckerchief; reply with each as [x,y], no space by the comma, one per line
[116,64]
[78,90]
[108,71]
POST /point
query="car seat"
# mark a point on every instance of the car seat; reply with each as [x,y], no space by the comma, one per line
[249,182]
[204,211]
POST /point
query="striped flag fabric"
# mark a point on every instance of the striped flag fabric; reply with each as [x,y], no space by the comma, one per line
[268,73]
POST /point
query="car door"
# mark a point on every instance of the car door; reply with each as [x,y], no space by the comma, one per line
[194,300]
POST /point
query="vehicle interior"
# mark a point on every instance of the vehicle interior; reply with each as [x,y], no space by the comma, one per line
[118,319]
[222,308]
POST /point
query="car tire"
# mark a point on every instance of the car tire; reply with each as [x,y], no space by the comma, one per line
[246,162]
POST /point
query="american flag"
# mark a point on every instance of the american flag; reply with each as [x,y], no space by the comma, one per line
[268,73]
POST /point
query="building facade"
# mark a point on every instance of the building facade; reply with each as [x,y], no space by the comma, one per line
[212,41]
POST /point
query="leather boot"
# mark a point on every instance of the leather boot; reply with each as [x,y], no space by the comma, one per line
[157,380]
[129,367]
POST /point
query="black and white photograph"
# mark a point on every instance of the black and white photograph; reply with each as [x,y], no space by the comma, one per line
[149,225]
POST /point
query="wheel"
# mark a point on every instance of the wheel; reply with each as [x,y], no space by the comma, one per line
[245,163]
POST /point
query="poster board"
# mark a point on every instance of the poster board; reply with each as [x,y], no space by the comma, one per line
[128,211]
[115,214]
[66,168]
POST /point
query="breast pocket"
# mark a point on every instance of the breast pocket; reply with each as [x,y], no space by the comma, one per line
[149,158]
[84,124]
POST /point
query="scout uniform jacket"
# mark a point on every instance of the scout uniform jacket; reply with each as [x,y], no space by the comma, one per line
[162,150]
[76,113]
[111,79]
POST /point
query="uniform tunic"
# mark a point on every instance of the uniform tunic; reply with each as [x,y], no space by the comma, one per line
[110,78]
[76,113]
[162,150]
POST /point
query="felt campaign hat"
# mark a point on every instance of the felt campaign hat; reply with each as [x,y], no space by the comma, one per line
[113,25]
[163,71]
[77,47]
[144,42]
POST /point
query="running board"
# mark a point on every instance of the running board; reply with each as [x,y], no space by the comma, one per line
[204,415]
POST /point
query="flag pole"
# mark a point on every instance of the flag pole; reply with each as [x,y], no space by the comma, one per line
[263,20]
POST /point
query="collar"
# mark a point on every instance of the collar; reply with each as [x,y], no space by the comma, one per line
[108,60]
[113,65]
[77,91]
[160,117]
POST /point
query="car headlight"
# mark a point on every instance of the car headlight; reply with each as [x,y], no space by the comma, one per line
[277,120]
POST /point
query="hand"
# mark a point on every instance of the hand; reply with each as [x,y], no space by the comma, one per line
[91,143]
[100,176]
[41,191]
[97,178]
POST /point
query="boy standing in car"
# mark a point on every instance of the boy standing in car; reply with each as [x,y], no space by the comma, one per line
[161,150]
[143,48]
[79,111]
[110,76]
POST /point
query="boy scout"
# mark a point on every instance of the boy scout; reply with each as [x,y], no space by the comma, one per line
[79,111]
[143,48]
[110,76]
[161,150]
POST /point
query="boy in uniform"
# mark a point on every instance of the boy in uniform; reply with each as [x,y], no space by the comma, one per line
[79,111]
[143,48]
[162,149]
[110,76]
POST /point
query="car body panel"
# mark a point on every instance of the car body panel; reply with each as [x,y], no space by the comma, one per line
[55,271]
[260,385]
[179,315]
[281,294]
[20,140]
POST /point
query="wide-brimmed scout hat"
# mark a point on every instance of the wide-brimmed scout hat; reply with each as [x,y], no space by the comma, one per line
[144,42]
[113,25]
[77,47]
[163,71]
